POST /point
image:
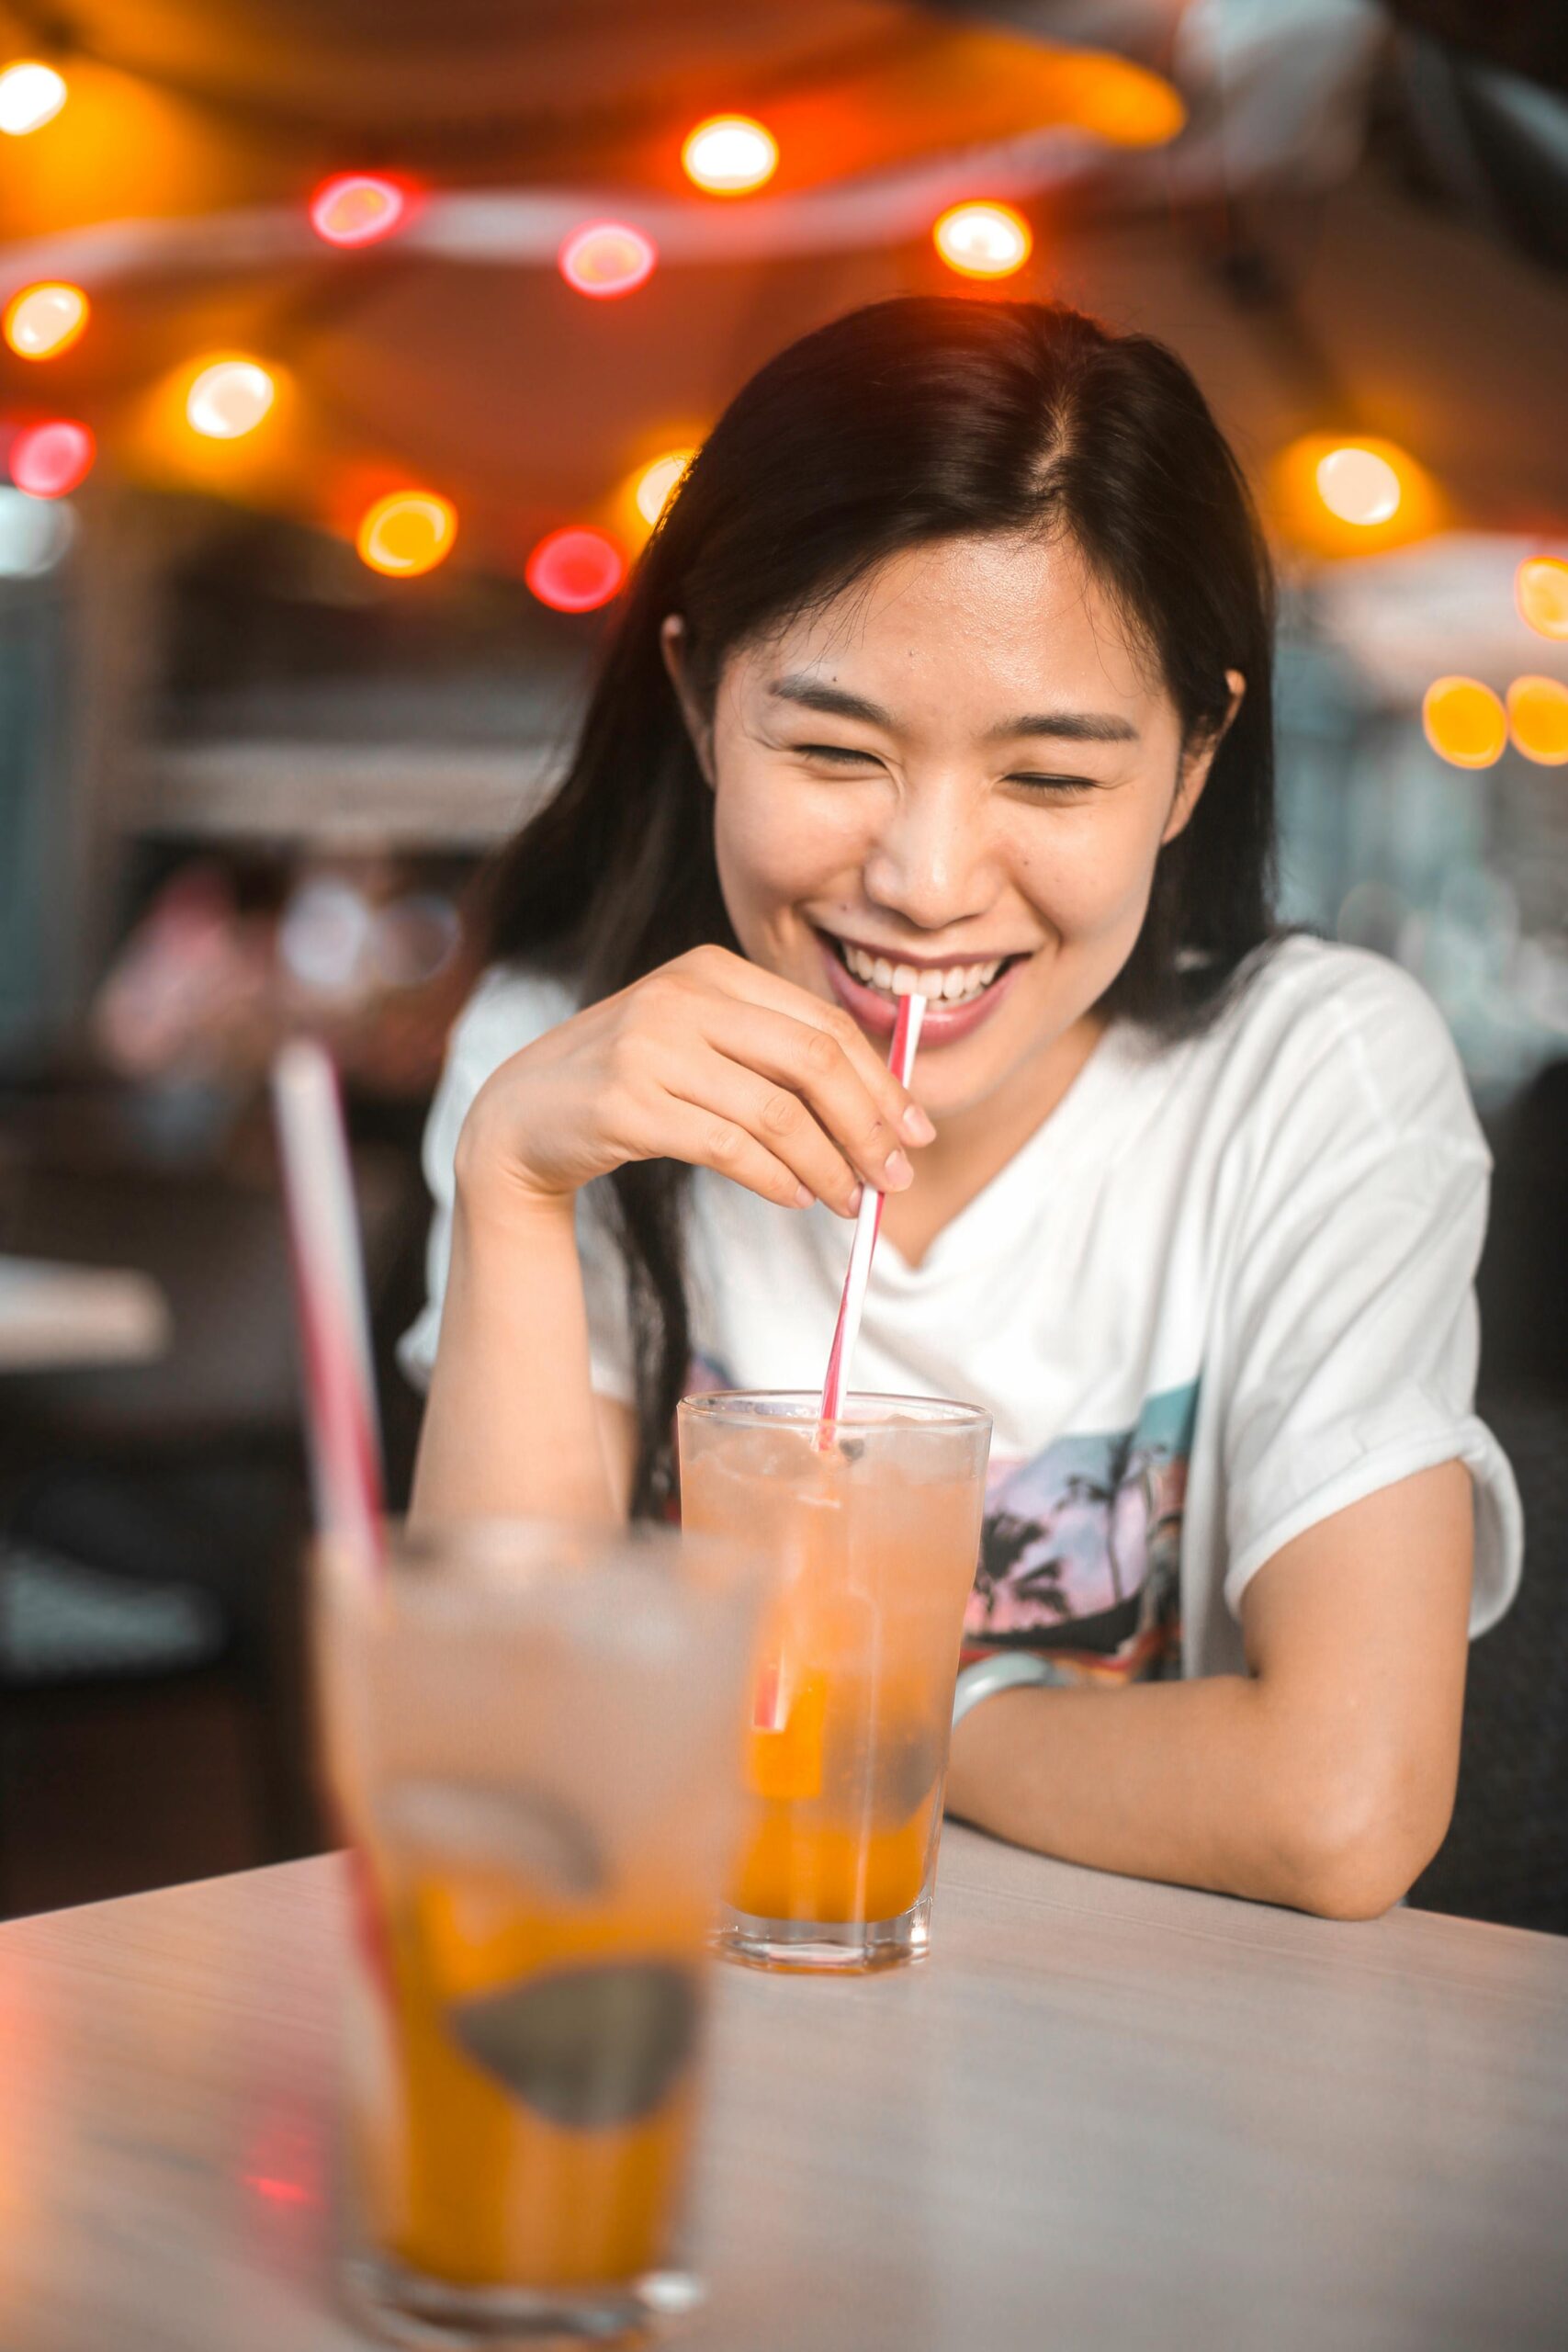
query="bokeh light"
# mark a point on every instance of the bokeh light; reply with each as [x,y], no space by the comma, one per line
[407,532]
[657,484]
[324,936]
[229,399]
[357,208]
[44,320]
[1537,719]
[575,569]
[605,258]
[729,155]
[49,459]
[34,534]
[1464,722]
[983,240]
[31,96]
[1358,485]
[1541,592]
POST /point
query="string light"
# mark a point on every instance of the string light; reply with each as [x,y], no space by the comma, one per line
[607,258]
[983,240]
[575,569]
[1537,719]
[48,461]
[1464,722]
[229,399]
[729,155]
[657,484]
[357,208]
[44,320]
[1358,485]
[31,96]
[1541,592]
[407,532]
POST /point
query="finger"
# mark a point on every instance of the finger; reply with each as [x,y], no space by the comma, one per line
[810,1064]
[705,1138]
[722,974]
[775,1116]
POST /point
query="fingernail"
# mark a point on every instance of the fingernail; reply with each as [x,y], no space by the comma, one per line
[854,1200]
[917,1126]
[802,1199]
[897,1170]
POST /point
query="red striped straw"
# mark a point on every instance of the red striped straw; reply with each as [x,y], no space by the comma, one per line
[868,1224]
[334,1322]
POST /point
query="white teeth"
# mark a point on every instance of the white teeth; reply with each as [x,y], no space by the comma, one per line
[951,986]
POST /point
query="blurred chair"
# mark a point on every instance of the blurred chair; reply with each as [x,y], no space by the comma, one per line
[1505,1856]
[152,1516]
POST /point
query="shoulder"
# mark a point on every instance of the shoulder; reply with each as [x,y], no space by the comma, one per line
[1353,1032]
[508,1009]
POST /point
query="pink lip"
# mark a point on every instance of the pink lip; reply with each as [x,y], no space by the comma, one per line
[944,1024]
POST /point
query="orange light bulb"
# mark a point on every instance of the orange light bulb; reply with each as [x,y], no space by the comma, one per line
[983,240]
[1537,719]
[44,320]
[1541,592]
[406,533]
[229,399]
[31,96]
[658,483]
[1464,722]
[1359,486]
[729,155]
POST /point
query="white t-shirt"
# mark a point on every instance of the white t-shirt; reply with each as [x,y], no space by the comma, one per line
[1223,1291]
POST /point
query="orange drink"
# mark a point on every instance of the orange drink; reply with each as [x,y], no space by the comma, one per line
[531,1736]
[874,1527]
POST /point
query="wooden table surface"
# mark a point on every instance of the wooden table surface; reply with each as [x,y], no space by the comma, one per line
[1103,2114]
[55,1318]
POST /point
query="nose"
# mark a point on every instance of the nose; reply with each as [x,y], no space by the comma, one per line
[928,863]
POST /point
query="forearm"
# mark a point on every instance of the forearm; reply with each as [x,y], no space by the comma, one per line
[1205,1784]
[511,1426]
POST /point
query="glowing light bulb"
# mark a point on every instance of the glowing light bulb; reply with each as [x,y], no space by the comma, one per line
[1537,719]
[1541,592]
[575,569]
[983,239]
[44,320]
[31,96]
[357,208]
[607,258]
[1464,722]
[407,532]
[729,155]
[48,461]
[229,399]
[657,484]
[1359,486]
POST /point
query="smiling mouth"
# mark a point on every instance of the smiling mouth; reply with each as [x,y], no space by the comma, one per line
[945,984]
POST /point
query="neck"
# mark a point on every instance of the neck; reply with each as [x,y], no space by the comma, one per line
[974,1145]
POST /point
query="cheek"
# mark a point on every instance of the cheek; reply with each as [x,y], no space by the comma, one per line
[772,845]
[1086,878]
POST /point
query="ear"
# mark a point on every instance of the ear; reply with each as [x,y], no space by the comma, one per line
[672,646]
[1198,760]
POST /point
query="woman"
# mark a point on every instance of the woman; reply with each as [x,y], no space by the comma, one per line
[949,665]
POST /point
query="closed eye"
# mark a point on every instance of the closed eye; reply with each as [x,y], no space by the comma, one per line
[1041,784]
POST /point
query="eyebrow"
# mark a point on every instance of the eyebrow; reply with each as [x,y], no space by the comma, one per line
[1065,726]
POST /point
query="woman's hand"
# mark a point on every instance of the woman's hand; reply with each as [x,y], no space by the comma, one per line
[709,1059]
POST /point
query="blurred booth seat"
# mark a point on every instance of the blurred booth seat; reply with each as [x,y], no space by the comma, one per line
[154,1513]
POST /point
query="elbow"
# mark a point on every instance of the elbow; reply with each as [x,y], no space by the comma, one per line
[1350,1845]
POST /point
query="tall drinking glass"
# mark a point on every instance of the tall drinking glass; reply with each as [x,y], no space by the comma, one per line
[874,1536]
[531,1734]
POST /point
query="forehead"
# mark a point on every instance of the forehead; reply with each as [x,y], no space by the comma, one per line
[971,621]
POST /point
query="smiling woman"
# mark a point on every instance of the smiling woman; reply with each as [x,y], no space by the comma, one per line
[947,669]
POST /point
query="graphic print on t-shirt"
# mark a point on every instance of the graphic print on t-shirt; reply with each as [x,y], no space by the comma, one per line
[1080,1553]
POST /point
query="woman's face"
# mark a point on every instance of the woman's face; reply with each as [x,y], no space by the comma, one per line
[957,776]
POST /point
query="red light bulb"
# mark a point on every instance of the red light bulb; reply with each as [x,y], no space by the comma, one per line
[575,569]
[48,461]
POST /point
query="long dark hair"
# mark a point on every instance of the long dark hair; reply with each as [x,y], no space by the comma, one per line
[908,421]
